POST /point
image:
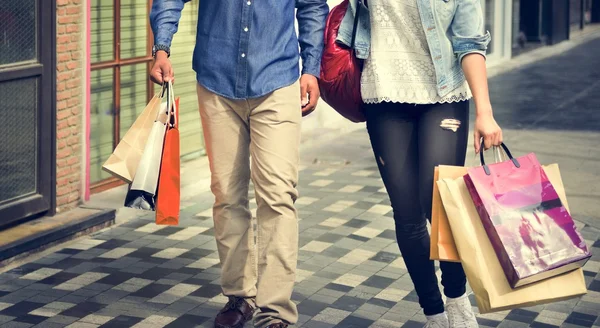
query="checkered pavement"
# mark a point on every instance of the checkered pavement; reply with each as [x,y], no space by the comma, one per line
[350,273]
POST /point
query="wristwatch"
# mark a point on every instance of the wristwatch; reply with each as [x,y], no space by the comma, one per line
[159,47]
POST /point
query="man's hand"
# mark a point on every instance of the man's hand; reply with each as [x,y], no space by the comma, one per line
[162,71]
[309,93]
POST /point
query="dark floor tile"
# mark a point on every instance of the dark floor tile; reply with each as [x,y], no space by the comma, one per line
[195,254]
[21,309]
[354,322]
[412,324]
[536,324]
[188,320]
[167,231]
[330,237]
[208,291]
[359,238]
[151,290]
[32,319]
[378,282]
[388,234]
[112,244]
[363,205]
[519,318]
[58,278]
[581,319]
[69,251]
[371,189]
[411,297]
[356,223]
[155,273]
[521,315]
[595,285]
[488,322]
[383,303]
[116,279]
[311,307]
[348,303]
[122,321]
[335,252]
[338,287]
[83,309]
[385,257]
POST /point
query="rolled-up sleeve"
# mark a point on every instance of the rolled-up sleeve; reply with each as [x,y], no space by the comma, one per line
[467,29]
[311,15]
[164,19]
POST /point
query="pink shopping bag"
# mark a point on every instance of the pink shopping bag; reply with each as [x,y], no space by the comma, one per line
[532,232]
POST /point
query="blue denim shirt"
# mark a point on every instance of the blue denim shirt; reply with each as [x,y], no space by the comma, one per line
[248,48]
[454,28]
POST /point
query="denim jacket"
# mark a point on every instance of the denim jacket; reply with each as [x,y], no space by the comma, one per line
[454,28]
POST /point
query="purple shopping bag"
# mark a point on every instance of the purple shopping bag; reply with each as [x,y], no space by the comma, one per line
[532,232]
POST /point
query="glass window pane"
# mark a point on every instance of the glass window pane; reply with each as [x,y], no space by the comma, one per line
[18,31]
[134,96]
[102,31]
[102,126]
[134,33]
[18,149]
[181,56]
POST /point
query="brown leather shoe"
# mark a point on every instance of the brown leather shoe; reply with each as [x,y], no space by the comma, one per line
[235,313]
[277,325]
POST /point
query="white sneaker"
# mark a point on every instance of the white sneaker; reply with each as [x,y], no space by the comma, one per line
[460,313]
[437,321]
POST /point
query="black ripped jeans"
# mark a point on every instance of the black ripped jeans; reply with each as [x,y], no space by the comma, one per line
[408,142]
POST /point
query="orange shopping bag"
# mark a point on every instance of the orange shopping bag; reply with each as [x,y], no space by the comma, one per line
[169,193]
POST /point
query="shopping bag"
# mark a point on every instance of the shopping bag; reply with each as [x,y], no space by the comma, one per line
[168,197]
[531,230]
[482,267]
[442,243]
[142,191]
[124,160]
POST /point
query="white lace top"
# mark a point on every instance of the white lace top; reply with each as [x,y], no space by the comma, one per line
[399,67]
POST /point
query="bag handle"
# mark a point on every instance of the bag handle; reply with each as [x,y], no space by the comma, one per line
[506,150]
[171,108]
[355,26]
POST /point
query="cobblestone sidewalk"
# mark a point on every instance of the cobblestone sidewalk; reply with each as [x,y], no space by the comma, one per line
[350,272]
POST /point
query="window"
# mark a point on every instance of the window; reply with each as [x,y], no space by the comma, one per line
[121,56]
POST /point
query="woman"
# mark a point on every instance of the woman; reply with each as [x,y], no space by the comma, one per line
[426,59]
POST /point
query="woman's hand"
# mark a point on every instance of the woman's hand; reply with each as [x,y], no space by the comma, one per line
[487,128]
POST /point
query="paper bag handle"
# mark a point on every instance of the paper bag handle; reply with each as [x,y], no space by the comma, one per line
[506,150]
[171,108]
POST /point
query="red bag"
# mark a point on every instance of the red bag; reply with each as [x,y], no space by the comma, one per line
[532,232]
[169,192]
[340,69]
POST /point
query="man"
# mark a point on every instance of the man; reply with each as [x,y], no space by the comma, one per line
[251,105]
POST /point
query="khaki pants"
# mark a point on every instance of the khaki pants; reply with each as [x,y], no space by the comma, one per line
[267,130]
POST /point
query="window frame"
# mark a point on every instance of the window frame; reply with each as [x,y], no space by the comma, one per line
[116,64]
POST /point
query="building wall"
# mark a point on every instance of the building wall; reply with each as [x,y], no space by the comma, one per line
[70,107]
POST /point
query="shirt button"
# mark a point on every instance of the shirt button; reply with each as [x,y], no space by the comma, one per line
[249,3]
[243,55]
[245,29]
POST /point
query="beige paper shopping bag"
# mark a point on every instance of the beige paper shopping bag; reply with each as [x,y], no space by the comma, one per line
[442,242]
[124,161]
[484,273]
